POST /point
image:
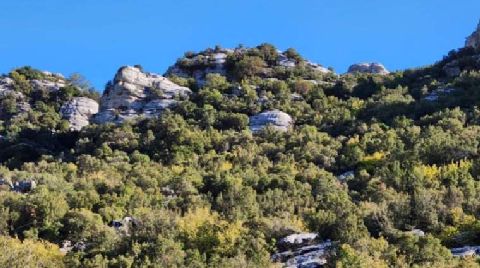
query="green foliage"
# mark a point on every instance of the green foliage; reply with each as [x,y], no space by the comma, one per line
[206,192]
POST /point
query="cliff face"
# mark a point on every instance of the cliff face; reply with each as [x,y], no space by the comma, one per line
[474,39]
[135,93]
[78,112]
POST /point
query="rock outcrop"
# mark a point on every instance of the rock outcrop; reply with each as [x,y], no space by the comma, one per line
[78,112]
[474,39]
[372,68]
[7,89]
[135,93]
[277,119]
[54,84]
[201,64]
[6,85]
[302,250]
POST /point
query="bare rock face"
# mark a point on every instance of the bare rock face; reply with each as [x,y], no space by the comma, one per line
[49,85]
[277,119]
[372,68]
[474,39]
[302,250]
[135,93]
[6,85]
[78,112]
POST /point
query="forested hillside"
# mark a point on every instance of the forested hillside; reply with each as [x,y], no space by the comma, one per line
[215,163]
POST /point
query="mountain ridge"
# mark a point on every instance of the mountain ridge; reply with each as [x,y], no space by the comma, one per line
[246,157]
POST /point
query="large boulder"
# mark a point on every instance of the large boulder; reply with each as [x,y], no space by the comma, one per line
[372,68]
[135,93]
[277,119]
[78,111]
[474,39]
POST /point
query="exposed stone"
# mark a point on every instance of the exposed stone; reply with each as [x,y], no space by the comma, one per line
[302,250]
[78,111]
[285,61]
[58,75]
[304,257]
[417,232]
[6,84]
[347,175]
[48,84]
[318,67]
[434,95]
[135,93]
[296,97]
[277,119]
[474,39]
[200,65]
[299,239]
[373,68]
[466,251]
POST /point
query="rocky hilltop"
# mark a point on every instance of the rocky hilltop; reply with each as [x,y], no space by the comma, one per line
[245,157]
[134,93]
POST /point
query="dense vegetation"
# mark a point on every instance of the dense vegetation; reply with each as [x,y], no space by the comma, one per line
[208,193]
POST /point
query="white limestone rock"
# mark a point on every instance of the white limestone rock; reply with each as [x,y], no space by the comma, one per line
[372,68]
[285,61]
[48,85]
[78,112]
[317,67]
[299,239]
[6,85]
[302,250]
[135,93]
[277,119]
[346,175]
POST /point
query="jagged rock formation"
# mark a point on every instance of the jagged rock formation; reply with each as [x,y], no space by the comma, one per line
[277,119]
[372,68]
[474,39]
[78,112]
[135,93]
[302,250]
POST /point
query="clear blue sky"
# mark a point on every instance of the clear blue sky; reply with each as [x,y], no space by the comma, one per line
[96,37]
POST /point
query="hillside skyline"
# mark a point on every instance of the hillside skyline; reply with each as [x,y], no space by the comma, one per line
[93,40]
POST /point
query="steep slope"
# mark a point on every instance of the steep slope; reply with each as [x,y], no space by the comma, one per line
[246,157]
